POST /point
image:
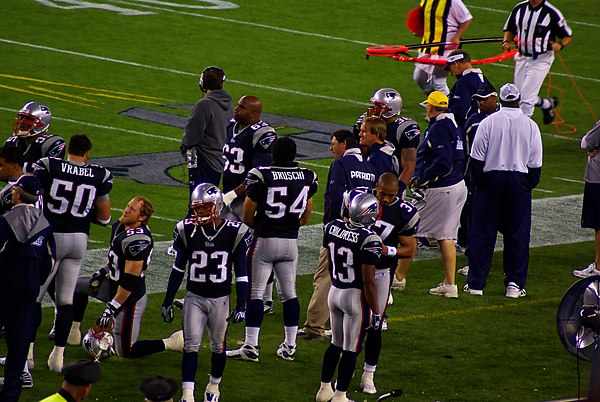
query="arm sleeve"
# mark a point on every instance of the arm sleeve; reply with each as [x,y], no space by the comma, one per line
[591,139]
[240,265]
[441,145]
[194,129]
[263,143]
[137,247]
[371,250]
[255,186]
[337,187]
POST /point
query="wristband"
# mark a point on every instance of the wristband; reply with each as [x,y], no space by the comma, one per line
[114,305]
[391,251]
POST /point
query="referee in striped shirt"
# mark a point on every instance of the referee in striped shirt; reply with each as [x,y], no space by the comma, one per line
[538,25]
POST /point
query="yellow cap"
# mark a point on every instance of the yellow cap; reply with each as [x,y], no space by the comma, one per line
[438,99]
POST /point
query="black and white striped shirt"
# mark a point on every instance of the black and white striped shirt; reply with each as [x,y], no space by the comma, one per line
[536,27]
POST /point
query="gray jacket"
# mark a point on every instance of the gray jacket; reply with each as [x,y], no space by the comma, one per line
[206,127]
[592,141]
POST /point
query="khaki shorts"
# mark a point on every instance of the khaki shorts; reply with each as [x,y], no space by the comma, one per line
[440,211]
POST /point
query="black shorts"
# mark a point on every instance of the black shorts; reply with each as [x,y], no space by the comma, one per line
[590,213]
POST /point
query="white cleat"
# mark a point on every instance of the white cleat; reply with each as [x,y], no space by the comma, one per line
[174,342]
[325,393]
[590,270]
[246,352]
[390,299]
[55,361]
[367,386]
[212,393]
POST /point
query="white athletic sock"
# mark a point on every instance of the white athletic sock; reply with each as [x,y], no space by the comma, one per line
[290,335]
[370,369]
[187,385]
[58,350]
[252,335]
[75,326]
[26,369]
[214,380]
[30,353]
[339,394]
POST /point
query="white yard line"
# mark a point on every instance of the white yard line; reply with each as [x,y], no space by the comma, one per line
[568,180]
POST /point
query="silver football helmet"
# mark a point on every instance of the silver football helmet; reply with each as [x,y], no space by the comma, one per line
[206,194]
[98,344]
[360,207]
[386,103]
[33,119]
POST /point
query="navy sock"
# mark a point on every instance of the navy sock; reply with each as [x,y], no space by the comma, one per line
[255,313]
[217,364]
[346,370]
[145,348]
[80,302]
[64,319]
[372,347]
[189,366]
[330,362]
[291,312]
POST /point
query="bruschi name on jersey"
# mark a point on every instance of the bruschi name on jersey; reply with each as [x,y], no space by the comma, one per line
[358,174]
[343,234]
[293,175]
[77,170]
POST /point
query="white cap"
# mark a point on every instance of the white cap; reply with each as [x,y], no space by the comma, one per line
[509,93]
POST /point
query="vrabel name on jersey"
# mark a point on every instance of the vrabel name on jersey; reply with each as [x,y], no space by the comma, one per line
[77,170]
[358,174]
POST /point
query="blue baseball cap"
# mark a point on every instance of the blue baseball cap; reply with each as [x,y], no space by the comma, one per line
[484,93]
[29,184]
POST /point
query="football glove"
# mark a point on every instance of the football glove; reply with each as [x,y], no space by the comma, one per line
[168,314]
[376,322]
[238,315]
[96,280]
[106,321]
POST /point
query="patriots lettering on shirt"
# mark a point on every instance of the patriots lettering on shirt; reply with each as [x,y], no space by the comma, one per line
[210,252]
[134,244]
[349,248]
[282,192]
[400,218]
[246,149]
[43,146]
[70,191]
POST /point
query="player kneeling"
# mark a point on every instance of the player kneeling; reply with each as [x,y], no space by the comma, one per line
[209,246]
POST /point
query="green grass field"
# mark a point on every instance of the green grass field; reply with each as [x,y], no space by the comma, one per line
[304,59]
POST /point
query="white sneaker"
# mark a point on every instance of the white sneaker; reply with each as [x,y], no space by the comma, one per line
[74,337]
[174,342]
[212,393]
[590,270]
[55,361]
[472,292]
[367,385]
[384,325]
[514,292]
[187,396]
[246,352]
[286,352]
[325,393]
[399,285]
[449,291]
[463,271]
[390,299]
[30,361]
[26,379]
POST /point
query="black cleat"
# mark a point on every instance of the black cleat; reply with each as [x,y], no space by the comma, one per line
[549,114]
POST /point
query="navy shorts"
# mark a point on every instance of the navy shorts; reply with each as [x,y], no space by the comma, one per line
[590,213]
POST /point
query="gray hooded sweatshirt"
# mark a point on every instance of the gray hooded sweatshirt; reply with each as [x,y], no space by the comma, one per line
[206,128]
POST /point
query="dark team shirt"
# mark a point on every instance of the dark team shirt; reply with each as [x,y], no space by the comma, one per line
[400,218]
[282,192]
[26,254]
[6,197]
[346,173]
[70,191]
[210,253]
[383,159]
[536,27]
[129,245]
[403,133]
[43,146]
[441,156]
[460,102]
[349,248]
[244,150]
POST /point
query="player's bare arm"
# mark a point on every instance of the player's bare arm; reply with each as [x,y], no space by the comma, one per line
[306,214]
[102,211]
[249,212]
[369,287]
[408,161]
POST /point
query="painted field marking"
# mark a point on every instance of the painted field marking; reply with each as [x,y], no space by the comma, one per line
[472,310]
[40,89]
[568,180]
[46,95]
[313,164]
[124,98]
[541,190]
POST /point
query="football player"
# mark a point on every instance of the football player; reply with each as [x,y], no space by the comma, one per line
[11,168]
[75,194]
[121,283]
[278,201]
[354,250]
[31,138]
[397,225]
[248,145]
[209,246]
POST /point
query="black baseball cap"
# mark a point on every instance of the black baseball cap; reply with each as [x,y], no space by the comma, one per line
[158,388]
[484,92]
[82,372]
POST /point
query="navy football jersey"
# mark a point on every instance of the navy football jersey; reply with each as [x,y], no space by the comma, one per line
[282,193]
[70,190]
[210,253]
[403,133]
[460,101]
[43,146]
[383,159]
[134,244]
[349,248]
[246,149]
[400,218]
